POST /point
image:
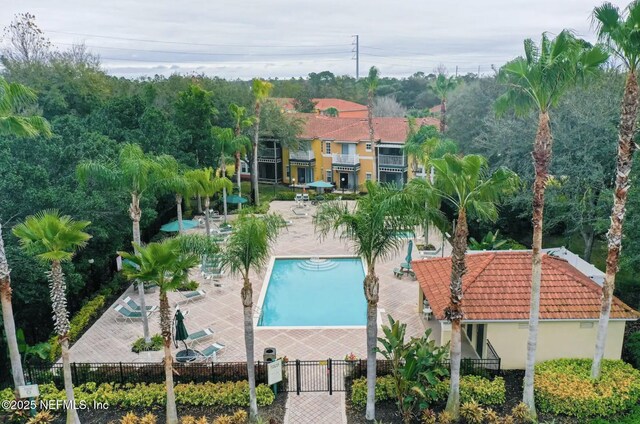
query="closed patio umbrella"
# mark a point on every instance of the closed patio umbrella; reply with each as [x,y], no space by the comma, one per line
[408,258]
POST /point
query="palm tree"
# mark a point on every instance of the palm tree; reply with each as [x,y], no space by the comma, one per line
[372,81]
[374,227]
[13,98]
[261,90]
[166,264]
[466,183]
[247,249]
[228,140]
[54,239]
[619,30]
[206,185]
[135,172]
[241,122]
[537,82]
[174,180]
[442,86]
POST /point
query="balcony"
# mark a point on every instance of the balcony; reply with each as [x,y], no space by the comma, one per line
[269,154]
[302,155]
[352,160]
[392,160]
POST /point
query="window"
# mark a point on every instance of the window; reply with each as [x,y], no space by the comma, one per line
[329,177]
[367,147]
[327,148]
[470,331]
[368,176]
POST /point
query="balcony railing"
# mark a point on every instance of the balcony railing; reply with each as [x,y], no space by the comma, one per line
[269,152]
[346,159]
[392,160]
[302,155]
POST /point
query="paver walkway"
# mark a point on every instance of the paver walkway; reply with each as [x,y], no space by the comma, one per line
[315,408]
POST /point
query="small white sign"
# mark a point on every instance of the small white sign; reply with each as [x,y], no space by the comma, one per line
[274,372]
[29,391]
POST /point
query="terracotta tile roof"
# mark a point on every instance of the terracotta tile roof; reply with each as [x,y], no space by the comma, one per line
[324,103]
[386,130]
[497,286]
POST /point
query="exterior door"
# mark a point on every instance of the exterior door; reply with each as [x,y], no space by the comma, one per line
[480,340]
[302,175]
[344,180]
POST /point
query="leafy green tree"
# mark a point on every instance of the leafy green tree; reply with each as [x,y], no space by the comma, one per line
[176,181]
[242,143]
[464,182]
[374,227]
[261,90]
[167,265]
[248,249]
[442,86]
[303,102]
[372,81]
[13,98]
[619,30]
[227,142]
[537,82]
[194,113]
[135,173]
[206,184]
[54,239]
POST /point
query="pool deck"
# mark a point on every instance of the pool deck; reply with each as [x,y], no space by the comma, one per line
[221,310]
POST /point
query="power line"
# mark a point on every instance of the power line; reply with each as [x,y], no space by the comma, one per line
[262,46]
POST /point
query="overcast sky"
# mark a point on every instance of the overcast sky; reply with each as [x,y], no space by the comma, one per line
[284,38]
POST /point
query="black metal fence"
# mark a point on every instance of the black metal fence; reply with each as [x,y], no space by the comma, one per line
[298,376]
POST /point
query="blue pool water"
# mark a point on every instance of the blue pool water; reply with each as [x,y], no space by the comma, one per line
[315,292]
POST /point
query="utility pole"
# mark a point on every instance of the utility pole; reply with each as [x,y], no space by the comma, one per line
[478,71]
[356,52]
[456,71]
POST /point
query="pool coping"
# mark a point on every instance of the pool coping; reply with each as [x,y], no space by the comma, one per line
[265,285]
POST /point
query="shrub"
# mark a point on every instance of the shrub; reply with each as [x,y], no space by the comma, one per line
[129,418]
[148,419]
[632,349]
[445,417]
[491,416]
[472,412]
[285,195]
[385,390]
[520,414]
[428,416]
[78,323]
[239,417]
[157,343]
[476,388]
[564,386]
[42,417]
[190,286]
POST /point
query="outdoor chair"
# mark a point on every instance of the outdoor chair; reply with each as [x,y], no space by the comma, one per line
[133,305]
[298,198]
[126,315]
[199,336]
[211,352]
[190,296]
[212,267]
[305,199]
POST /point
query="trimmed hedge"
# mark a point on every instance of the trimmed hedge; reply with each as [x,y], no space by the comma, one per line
[564,386]
[472,388]
[230,394]
[77,324]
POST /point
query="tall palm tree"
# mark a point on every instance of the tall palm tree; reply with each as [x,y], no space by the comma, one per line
[374,227]
[166,264]
[247,249]
[537,82]
[206,184]
[135,172]
[13,98]
[466,183]
[54,239]
[372,81]
[227,140]
[261,90]
[442,86]
[619,30]
[241,122]
[175,180]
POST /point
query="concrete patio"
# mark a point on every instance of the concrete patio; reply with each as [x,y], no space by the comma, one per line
[221,310]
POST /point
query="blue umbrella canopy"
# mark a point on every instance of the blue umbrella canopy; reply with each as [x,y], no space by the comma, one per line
[408,258]
[234,199]
[320,184]
[173,227]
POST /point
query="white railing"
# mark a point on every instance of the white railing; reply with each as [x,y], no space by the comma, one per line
[346,159]
[302,155]
[393,160]
[268,152]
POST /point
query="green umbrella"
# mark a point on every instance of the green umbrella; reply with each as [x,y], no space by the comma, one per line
[173,226]
[408,258]
[320,184]
[235,199]
[181,333]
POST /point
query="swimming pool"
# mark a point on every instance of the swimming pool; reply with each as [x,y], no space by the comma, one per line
[313,292]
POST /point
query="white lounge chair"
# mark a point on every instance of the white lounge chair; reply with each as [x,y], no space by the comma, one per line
[211,352]
[305,199]
[190,296]
[124,314]
[133,305]
[199,336]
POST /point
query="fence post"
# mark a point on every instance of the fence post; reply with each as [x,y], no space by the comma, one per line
[75,373]
[213,374]
[297,376]
[121,374]
[330,379]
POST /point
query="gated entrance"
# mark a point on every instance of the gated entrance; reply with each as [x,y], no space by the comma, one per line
[321,376]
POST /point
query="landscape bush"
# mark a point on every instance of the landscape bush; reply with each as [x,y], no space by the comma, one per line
[632,349]
[564,386]
[140,345]
[77,325]
[129,396]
